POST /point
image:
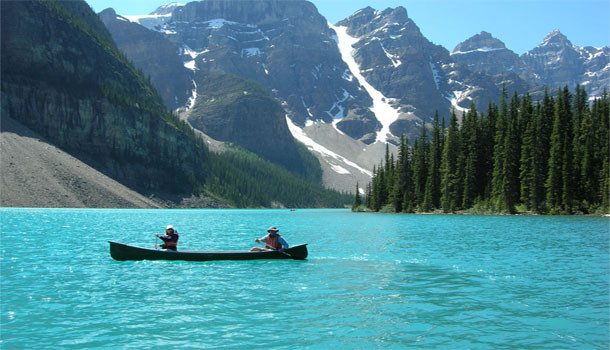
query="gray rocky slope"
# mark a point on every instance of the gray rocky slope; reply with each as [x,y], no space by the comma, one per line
[34,173]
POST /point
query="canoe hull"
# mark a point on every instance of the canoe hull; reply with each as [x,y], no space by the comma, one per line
[122,252]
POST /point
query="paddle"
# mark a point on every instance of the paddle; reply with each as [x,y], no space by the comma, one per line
[283,252]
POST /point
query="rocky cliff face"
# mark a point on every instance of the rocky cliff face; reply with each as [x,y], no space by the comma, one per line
[241,112]
[67,81]
[415,76]
[154,54]
[285,46]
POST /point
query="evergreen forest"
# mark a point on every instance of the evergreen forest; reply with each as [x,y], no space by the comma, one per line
[544,157]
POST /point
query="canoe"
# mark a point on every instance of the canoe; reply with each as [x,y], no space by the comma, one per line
[120,251]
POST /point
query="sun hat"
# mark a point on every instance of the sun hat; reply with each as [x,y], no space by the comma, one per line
[169,227]
[272,229]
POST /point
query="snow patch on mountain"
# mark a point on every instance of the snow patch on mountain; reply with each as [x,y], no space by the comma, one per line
[384,112]
[337,111]
[190,65]
[251,51]
[435,75]
[187,51]
[193,98]
[300,135]
[393,58]
[457,97]
[339,169]
[218,23]
[480,49]
[150,21]
[347,75]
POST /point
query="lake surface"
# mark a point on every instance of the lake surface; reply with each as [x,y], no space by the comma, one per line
[371,281]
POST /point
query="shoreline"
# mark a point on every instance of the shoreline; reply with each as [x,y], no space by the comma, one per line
[483,214]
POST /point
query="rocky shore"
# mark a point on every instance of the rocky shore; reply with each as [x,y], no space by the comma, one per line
[34,173]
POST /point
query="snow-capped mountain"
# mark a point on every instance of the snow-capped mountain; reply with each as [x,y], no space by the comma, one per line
[483,52]
[343,90]
[554,63]
[285,54]
[557,62]
[413,77]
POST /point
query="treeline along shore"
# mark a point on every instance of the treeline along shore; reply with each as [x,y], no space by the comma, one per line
[545,157]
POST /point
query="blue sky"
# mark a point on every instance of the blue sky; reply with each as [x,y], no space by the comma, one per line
[520,24]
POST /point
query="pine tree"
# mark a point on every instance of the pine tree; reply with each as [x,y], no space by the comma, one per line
[559,189]
[400,179]
[357,199]
[544,126]
[587,167]
[432,196]
[374,205]
[499,156]
[420,167]
[469,157]
[578,108]
[391,181]
[406,179]
[510,195]
[568,176]
[369,196]
[601,117]
[487,130]
[449,165]
[527,163]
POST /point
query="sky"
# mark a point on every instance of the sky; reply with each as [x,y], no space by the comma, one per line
[520,24]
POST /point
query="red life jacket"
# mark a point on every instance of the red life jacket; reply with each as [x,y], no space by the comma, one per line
[272,243]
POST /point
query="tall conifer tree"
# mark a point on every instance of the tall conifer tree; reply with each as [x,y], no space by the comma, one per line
[499,157]
[420,168]
[432,196]
[559,188]
[357,199]
[469,157]
[449,167]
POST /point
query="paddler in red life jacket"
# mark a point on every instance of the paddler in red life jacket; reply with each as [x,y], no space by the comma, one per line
[273,241]
[170,239]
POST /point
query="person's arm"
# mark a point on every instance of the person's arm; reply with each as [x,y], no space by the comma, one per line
[283,242]
[260,240]
[164,238]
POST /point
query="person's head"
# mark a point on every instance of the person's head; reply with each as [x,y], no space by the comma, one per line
[273,231]
[169,229]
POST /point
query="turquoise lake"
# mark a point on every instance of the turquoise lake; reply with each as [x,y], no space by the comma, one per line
[371,281]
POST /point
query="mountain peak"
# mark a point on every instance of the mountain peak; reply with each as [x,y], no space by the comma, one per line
[365,14]
[167,8]
[556,38]
[108,12]
[398,14]
[483,41]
